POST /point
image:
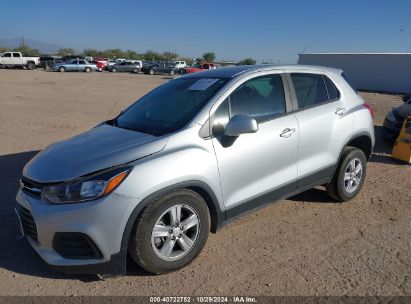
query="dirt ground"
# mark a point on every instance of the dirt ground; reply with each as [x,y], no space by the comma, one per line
[306,245]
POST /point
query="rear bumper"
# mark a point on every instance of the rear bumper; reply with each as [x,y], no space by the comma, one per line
[103,221]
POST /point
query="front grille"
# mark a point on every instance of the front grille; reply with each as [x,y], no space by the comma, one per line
[75,245]
[31,187]
[28,223]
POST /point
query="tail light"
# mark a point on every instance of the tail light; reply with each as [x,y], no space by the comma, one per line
[369,108]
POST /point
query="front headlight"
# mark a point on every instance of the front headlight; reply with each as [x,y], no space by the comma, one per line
[87,187]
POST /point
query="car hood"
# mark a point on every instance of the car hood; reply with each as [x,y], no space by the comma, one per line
[100,148]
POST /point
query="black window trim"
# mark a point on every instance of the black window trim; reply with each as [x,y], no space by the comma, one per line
[295,105]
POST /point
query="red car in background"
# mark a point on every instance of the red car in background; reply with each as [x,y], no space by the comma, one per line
[101,65]
[199,67]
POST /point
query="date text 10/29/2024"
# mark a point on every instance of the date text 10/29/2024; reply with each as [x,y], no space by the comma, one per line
[203,299]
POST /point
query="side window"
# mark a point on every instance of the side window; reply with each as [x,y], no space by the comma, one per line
[7,55]
[333,93]
[261,98]
[16,55]
[309,88]
[82,62]
[220,119]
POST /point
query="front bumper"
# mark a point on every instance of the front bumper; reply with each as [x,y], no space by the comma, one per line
[103,221]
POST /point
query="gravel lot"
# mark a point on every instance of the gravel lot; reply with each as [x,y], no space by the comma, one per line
[306,245]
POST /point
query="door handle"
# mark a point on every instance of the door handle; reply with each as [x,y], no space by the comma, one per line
[340,111]
[287,132]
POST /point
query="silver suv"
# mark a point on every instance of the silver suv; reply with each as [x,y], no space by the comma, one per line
[187,158]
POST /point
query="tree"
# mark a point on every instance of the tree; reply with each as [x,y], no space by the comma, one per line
[66,52]
[26,50]
[246,61]
[199,59]
[153,56]
[4,49]
[168,56]
[92,53]
[130,54]
[209,56]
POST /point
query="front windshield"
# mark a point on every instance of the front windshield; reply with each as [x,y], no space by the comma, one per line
[169,107]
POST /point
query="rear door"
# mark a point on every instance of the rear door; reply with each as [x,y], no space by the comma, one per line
[323,125]
[17,59]
[260,167]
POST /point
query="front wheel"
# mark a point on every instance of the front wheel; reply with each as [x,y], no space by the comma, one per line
[87,70]
[172,72]
[114,70]
[62,69]
[349,176]
[170,232]
[151,72]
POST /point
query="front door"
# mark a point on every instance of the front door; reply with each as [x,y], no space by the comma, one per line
[260,167]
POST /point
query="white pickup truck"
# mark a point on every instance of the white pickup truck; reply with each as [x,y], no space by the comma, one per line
[16,59]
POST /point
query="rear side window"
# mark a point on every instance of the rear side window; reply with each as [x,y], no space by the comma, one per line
[310,89]
[333,93]
[16,55]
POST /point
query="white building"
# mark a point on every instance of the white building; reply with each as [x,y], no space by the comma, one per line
[389,72]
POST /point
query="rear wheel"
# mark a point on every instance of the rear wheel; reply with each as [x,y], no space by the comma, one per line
[31,66]
[349,176]
[172,72]
[114,70]
[87,70]
[62,69]
[170,232]
[135,71]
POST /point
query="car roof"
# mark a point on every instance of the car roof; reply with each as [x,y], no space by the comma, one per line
[231,72]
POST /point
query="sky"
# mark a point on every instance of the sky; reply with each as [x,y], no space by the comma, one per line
[274,31]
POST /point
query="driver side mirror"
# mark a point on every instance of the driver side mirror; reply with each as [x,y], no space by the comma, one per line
[240,124]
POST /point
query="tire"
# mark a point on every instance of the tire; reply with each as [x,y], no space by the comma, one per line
[149,251]
[349,177]
[114,70]
[151,72]
[135,71]
[172,72]
[31,66]
[87,70]
[62,69]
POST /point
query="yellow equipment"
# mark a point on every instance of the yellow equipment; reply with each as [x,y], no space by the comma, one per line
[402,145]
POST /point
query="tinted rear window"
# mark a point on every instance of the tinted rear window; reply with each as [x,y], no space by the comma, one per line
[332,90]
[309,89]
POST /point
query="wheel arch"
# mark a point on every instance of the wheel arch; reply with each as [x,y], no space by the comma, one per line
[363,142]
[201,188]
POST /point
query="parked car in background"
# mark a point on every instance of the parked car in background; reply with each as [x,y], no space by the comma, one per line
[114,61]
[16,59]
[159,68]
[70,57]
[180,64]
[188,157]
[48,61]
[101,65]
[126,66]
[198,67]
[394,120]
[75,65]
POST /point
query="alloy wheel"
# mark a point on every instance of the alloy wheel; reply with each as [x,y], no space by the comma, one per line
[175,232]
[353,175]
